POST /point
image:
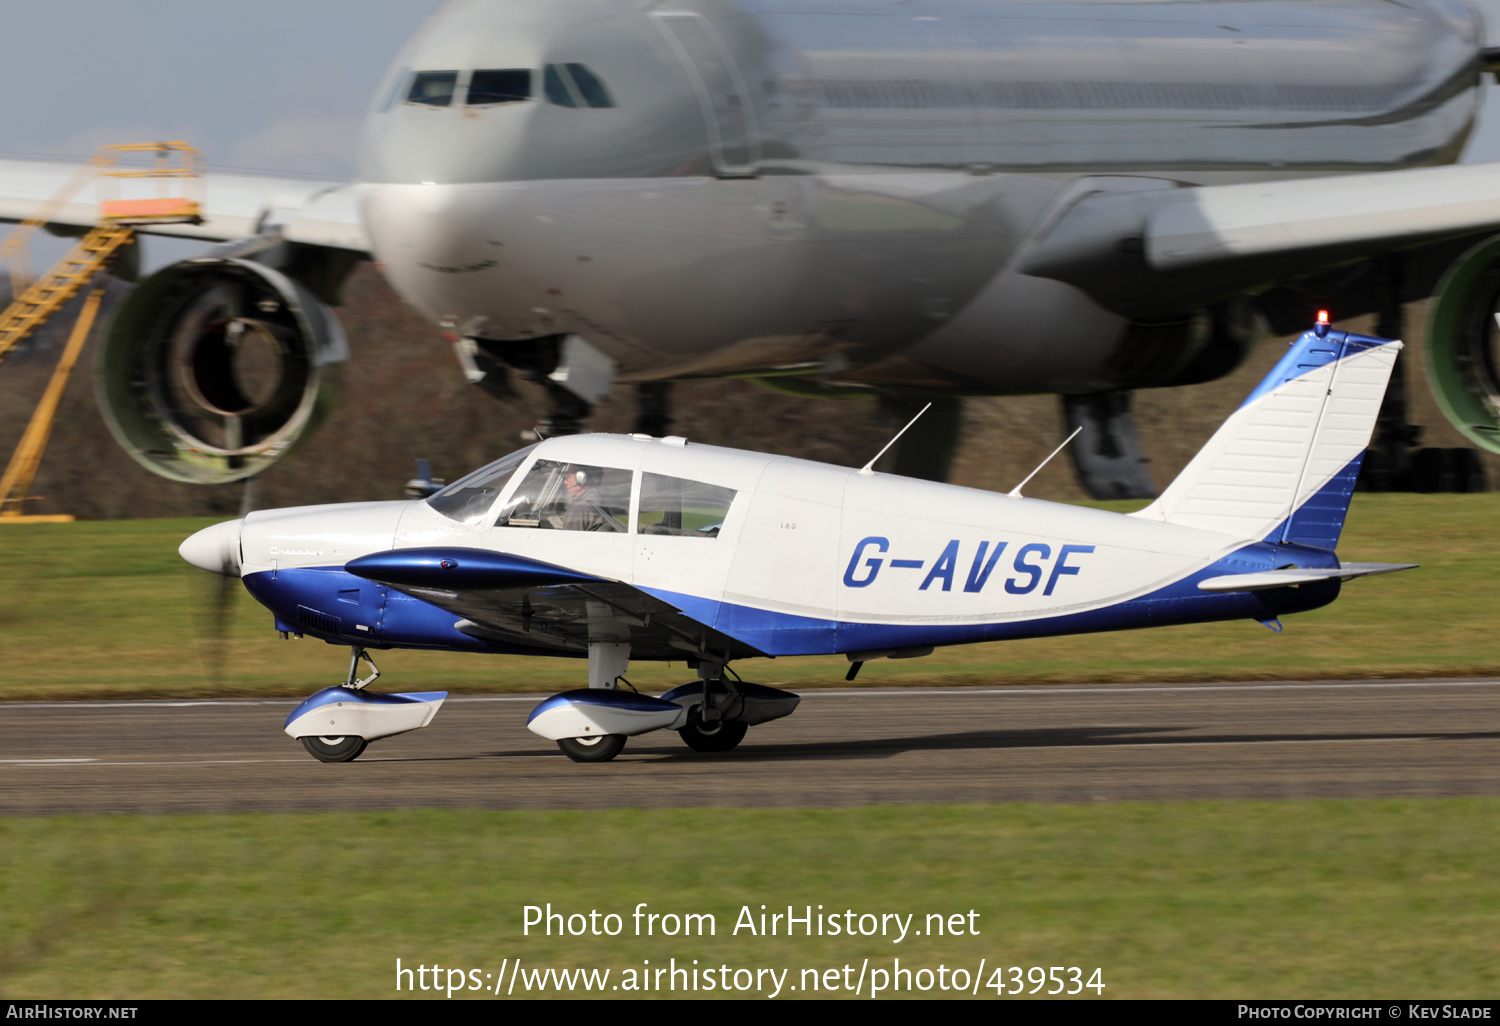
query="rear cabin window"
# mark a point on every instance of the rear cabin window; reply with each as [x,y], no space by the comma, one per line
[677,506]
[574,85]
[570,497]
[433,88]
[506,85]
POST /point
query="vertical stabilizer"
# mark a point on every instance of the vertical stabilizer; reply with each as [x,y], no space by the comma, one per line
[1283,466]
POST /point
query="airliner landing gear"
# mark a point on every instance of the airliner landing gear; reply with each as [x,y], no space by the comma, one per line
[1108,458]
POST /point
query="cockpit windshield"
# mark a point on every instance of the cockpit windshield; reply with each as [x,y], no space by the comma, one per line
[432,88]
[468,499]
[574,85]
[505,85]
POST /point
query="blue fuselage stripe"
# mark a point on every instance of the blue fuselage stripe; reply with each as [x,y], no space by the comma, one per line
[402,621]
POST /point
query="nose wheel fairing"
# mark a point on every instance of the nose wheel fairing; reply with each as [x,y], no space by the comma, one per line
[341,712]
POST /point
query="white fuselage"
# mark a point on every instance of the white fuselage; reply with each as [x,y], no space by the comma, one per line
[810,557]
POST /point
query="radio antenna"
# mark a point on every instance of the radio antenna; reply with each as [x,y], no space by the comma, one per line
[1015,493]
[867,468]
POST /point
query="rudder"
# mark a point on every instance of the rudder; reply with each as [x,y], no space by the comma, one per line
[1282,468]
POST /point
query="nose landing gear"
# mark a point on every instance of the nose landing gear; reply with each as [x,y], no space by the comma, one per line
[600,748]
[334,749]
[337,723]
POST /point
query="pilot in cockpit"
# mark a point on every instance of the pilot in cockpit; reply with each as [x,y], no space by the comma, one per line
[584,512]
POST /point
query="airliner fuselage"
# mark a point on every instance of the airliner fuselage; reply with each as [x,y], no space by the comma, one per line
[841,189]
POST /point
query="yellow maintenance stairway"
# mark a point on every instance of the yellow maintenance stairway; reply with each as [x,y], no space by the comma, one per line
[175,170]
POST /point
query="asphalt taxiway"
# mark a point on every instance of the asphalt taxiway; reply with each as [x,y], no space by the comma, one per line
[841,747]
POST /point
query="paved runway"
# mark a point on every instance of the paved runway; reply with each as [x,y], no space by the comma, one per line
[844,747]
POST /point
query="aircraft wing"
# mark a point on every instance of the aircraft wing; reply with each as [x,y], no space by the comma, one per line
[518,601]
[1142,245]
[235,206]
[1231,221]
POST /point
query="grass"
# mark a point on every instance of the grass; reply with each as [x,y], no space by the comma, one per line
[107,609]
[1367,899]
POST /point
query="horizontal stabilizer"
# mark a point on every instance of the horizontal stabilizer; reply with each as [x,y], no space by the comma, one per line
[1291,575]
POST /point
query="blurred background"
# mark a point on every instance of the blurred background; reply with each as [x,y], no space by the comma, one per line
[280,86]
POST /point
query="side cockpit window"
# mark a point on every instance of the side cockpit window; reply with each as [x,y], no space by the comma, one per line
[574,85]
[394,90]
[570,497]
[677,506]
[468,499]
[504,85]
[433,88]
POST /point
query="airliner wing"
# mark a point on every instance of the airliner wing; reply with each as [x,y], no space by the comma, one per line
[1142,246]
[314,212]
[1229,221]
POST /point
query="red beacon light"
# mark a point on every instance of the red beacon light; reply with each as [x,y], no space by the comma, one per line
[1322,326]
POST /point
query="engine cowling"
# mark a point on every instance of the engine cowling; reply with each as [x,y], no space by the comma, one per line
[1463,344]
[214,368]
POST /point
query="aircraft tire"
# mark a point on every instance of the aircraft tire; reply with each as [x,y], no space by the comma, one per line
[600,748]
[334,749]
[721,738]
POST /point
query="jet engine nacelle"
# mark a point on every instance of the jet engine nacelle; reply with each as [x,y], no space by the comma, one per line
[214,368]
[1462,337]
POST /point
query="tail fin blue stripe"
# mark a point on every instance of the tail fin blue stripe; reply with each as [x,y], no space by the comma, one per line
[1320,520]
[1309,353]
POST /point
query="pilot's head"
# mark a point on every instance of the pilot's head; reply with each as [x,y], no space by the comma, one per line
[578,481]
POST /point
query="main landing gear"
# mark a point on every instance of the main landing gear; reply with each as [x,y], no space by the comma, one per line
[719,735]
[711,714]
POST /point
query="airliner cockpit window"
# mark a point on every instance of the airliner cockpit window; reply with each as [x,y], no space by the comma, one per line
[505,85]
[570,497]
[589,86]
[574,85]
[394,90]
[433,88]
[677,506]
[469,498]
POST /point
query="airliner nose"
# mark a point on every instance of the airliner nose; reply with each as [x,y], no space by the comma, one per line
[215,548]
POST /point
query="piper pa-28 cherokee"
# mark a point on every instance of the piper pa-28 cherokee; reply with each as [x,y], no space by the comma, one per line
[628,547]
[935,198]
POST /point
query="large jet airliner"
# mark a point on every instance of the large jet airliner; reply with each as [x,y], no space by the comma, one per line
[901,198]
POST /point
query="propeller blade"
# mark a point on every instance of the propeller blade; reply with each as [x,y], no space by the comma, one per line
[217,550]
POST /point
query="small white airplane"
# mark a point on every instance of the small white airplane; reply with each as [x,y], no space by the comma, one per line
[623,547]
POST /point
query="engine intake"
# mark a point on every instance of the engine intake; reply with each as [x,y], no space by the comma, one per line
[1463,342]
[215,368]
